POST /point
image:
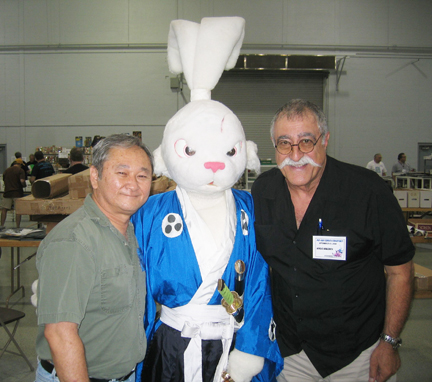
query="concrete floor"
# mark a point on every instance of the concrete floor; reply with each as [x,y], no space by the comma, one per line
[416,352]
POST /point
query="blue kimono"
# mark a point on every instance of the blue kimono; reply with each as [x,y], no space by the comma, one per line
[173,274]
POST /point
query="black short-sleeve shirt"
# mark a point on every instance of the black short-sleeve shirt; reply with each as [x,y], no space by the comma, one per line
[42,170]
[333,310]
[75,169]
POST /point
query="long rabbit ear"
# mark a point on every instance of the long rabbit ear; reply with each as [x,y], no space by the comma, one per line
[203,51]
[182,41]
[218,47]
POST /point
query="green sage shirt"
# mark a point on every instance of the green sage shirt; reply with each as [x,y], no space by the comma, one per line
[89,274]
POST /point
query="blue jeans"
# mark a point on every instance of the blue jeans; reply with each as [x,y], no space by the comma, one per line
[43,376]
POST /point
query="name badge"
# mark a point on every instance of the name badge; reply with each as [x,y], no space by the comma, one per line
[329,247]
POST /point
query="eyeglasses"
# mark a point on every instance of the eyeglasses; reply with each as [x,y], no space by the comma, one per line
[305,145]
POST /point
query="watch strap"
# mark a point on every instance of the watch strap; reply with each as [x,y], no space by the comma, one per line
[394,342]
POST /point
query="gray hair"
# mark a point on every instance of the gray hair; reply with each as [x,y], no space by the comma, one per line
[299,108]
[103,147]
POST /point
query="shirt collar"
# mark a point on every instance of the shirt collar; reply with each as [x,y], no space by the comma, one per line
[98,216]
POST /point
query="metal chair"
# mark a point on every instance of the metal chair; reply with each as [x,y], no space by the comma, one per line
[8,316]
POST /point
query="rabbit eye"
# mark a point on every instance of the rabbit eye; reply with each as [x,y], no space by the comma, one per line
[182,149]
[189,151]
[234,150]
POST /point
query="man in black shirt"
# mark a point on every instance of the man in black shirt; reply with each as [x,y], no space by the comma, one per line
[329,230]
[42,169]
[76,157]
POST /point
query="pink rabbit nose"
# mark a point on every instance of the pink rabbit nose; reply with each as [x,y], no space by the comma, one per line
[214,166]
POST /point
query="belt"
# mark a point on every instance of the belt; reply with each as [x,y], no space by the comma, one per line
[49,367]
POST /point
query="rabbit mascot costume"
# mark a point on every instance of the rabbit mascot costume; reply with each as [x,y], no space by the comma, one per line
[192,237]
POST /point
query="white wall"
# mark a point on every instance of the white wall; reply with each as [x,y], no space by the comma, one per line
[87,67]
[383,105]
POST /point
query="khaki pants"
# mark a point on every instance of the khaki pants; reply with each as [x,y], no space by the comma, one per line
[298,368]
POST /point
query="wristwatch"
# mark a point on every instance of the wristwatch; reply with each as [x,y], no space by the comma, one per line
[394,342]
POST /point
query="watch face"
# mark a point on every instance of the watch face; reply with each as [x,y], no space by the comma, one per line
[395,342]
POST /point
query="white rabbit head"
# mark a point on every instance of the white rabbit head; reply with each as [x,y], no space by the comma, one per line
[204,148]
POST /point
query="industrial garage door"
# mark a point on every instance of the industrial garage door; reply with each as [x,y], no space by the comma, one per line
[254,96]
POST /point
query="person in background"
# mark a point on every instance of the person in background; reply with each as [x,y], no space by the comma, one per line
[24,166]
[32,160]
[91,291]
[329,230]
[42,169]
[377,165]
[76,158]
[14,181]
[401,165]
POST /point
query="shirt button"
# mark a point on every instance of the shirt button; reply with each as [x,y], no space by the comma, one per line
[295,269]
[296,295]
[294,242]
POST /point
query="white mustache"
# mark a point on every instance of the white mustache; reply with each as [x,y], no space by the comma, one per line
[303,161]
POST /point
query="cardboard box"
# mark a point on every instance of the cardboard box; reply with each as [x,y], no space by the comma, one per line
[64,205]
[422,224]
[422,239]
[413,199]
[425,199]
[423,294]
[402,197]
[80,185]
[423,278]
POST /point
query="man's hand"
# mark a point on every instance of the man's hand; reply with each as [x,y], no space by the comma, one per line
[384,362]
